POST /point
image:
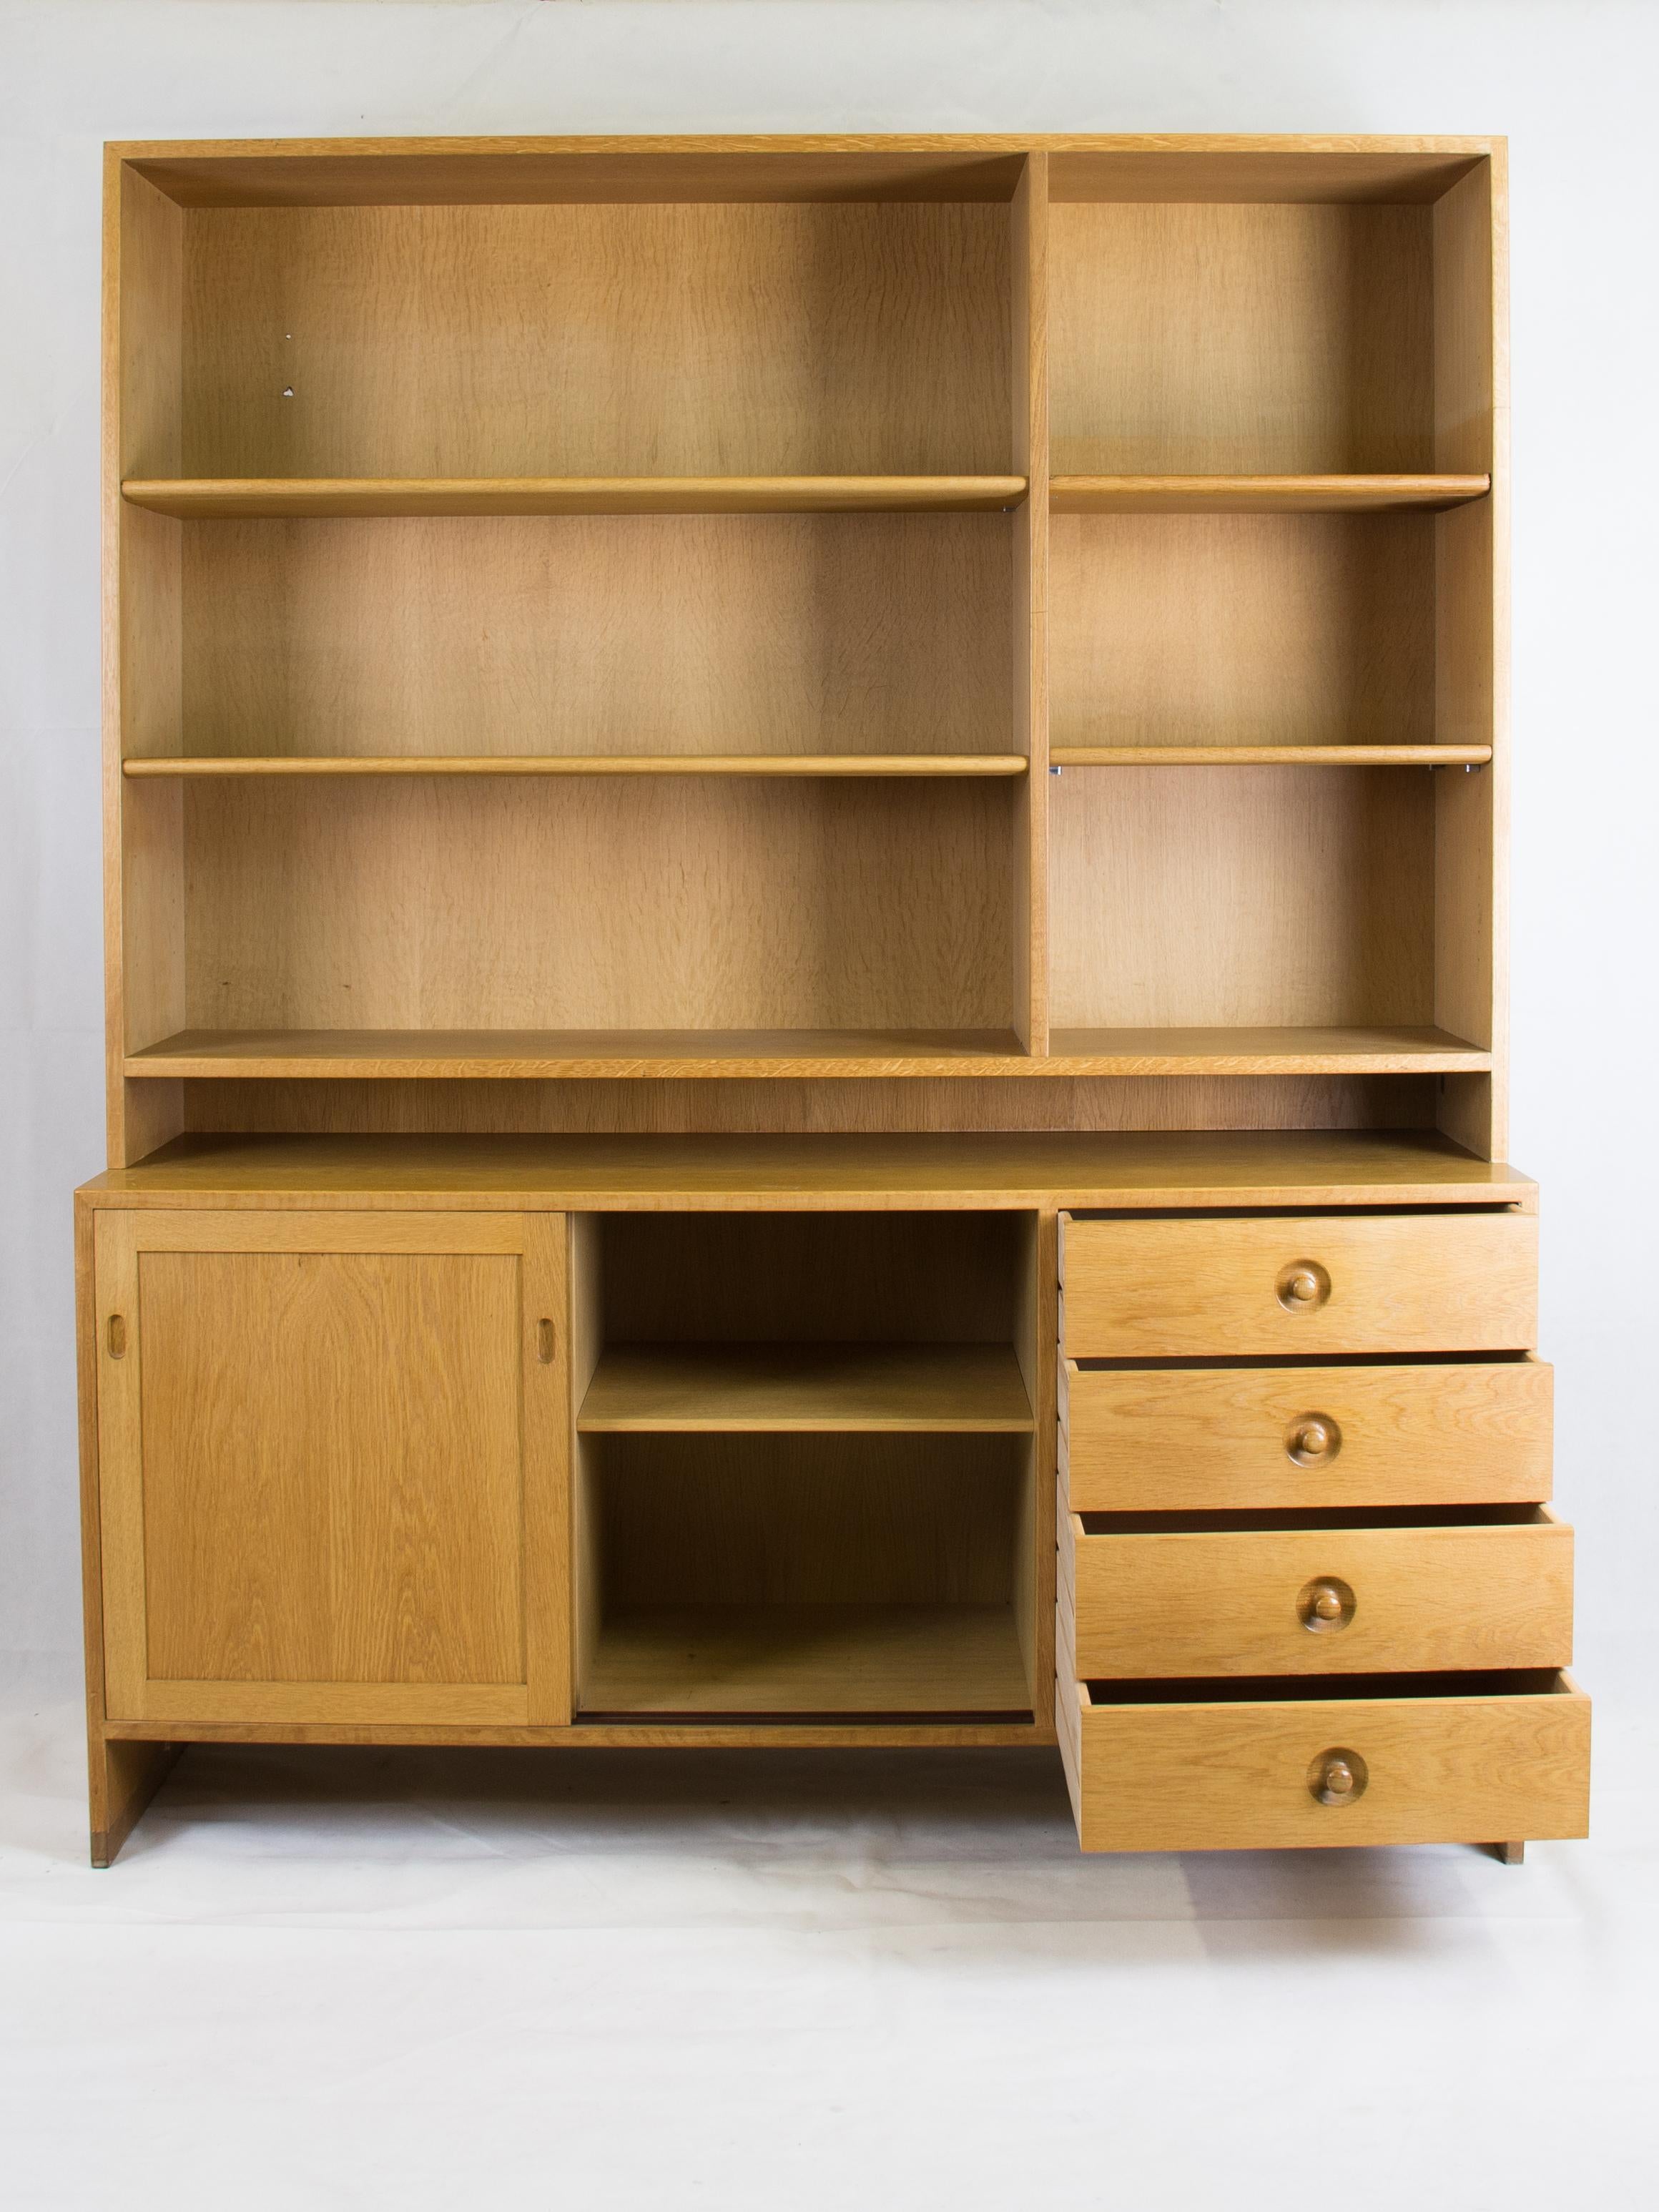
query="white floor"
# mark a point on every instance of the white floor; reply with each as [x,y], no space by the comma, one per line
[608,1980]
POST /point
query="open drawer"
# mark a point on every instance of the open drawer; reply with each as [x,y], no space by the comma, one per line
[1330,1593]
[1409,1758]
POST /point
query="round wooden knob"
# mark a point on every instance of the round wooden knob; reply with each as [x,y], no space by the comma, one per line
[1313,1439]
[1303,1286]
[1325,1606]
[1337,1776]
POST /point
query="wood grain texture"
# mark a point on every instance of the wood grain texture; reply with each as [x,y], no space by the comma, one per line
[810,1659]
[231,498]
[1446,1768]
[1248,1050]
[1306,901]
[1256,494]
[1315,628]
[722,764]
[1397,1282]
[923,1388]
[325,1447]
[1150,1171]
[775,1734]
[1202,1440]
[321,172]
[656,904]
[1216,339]
[1029,269]
[425,1055]
[1225,755]
[711,634]
[596,341]
[1424,1599]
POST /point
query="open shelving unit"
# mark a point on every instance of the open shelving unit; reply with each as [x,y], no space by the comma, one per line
[596,621]
[806,1464]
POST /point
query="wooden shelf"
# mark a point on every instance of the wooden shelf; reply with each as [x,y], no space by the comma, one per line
[579,765]
[1333,1051]
[940,1387]
[1268,756]
[534,1055]
[1156,1169]
[209,499]
[1289,494]
[808,1659]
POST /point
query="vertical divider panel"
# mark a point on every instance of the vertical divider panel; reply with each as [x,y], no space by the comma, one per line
[142,675]
[584,1341]
[1030,265]
[1036,1325]
[549,1426]
[1471,432]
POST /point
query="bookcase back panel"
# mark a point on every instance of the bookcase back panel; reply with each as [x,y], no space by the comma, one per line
[654,1106]
[597,340]
[869,1278]
[1212,339]
[1235,895]
[723,634]
[807,1520]
[1216,630]
[598,904]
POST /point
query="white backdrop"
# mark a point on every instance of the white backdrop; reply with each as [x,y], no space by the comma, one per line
[1570,81]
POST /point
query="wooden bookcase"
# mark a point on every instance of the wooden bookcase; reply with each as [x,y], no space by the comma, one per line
[715,734]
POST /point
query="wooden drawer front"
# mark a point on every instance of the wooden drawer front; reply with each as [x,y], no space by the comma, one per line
[1226,1602]
[1224,1288]
[1238,1776]
[1194,1440]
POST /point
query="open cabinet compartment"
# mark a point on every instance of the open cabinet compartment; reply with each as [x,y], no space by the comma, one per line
[759,1531]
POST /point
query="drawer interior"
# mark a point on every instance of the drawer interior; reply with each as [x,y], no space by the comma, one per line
[1277,1689]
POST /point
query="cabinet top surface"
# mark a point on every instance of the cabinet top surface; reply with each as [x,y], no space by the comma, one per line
[1128,1168]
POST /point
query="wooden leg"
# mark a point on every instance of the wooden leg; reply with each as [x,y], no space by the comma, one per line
[1510,1854]
[123,1779]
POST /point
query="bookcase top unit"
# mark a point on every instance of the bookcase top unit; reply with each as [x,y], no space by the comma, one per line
[944,632]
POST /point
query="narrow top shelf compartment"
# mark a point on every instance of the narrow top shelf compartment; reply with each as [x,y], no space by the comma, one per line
[207,498]
[776,1388]
[1263,494]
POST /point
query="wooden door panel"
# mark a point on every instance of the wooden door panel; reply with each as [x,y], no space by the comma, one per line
[333,1475]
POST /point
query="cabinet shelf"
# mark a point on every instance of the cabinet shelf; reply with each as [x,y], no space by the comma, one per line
[904,1387]
[1269,756]
[581,764]
[1259,494]
[1344,1050]
[795,1659]
[531,1055]
[208,499]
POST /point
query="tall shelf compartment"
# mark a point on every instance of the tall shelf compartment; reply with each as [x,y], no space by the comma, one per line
[716,752]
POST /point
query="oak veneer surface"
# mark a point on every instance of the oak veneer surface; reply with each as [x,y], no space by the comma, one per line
[1198,1775]
[727,764]
[1136,1169]
[596,341]
[935,1388]
[1242,340]
[809,1659]
[1307,899]
[1316,628]
[1200,1602]
[332,1464]
[1394,1282]
[228,498]
[652,903]
[1257,494]
[642,633]
[1202,1439]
